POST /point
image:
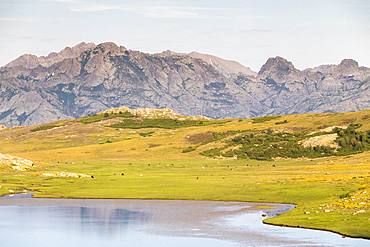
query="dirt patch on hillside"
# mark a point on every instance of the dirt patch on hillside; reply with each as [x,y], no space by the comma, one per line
[327,140]
[328,129]
[200,138]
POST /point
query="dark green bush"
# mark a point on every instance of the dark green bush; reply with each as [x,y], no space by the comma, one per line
[350,140]
[136,123]
[282,122]
[98,117]
[266,144]
[45,127]
[189,149]
[145,134]
[212,152]
[263,119]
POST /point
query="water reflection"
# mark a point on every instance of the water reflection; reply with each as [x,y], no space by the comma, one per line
[87,220]
[96,223]
[61,226]
[109,221]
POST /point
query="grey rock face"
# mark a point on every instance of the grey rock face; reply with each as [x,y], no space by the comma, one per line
[31,61]
[90,78]
[226,67]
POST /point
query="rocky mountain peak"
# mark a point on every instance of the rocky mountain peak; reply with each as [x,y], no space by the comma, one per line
[74,51]
[348,63]
[167,53]
[344,68]
[31,61]
[27,61]
[111,48]
[277,68]
[276,64]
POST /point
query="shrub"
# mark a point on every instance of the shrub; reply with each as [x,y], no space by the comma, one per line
[282,122]
[145,134]
[136,123]
[189,149]
[263,119]
[212,152]
[266,144]
[350,140]
[346,195]
[98,117]
[45,127]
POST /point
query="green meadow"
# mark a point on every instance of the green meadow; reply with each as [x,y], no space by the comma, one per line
[129,157]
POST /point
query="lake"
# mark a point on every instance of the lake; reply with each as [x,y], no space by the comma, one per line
[26,221]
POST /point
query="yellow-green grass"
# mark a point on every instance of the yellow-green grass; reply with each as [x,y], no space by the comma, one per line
[126,163]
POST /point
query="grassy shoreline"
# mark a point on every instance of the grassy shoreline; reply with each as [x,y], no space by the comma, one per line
[318,229]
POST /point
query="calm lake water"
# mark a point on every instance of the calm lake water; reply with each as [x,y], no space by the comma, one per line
[95,223]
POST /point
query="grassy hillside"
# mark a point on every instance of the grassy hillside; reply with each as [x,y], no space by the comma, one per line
[300,159]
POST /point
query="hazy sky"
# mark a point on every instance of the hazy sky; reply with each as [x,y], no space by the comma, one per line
[306,32]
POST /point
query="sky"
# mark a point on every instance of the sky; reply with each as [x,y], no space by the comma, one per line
[306,32]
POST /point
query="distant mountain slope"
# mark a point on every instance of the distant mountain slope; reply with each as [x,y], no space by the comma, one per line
[226,67]
[89,78]
[31,61]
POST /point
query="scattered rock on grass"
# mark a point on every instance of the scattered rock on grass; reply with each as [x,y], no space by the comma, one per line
[66,175]
[17,163]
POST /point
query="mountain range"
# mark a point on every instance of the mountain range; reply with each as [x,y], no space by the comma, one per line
[90,78]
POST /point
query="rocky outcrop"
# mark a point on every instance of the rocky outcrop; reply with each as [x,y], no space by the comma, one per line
[17,163]
[66,175]
[90,78]
[152,113]
[327,140]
